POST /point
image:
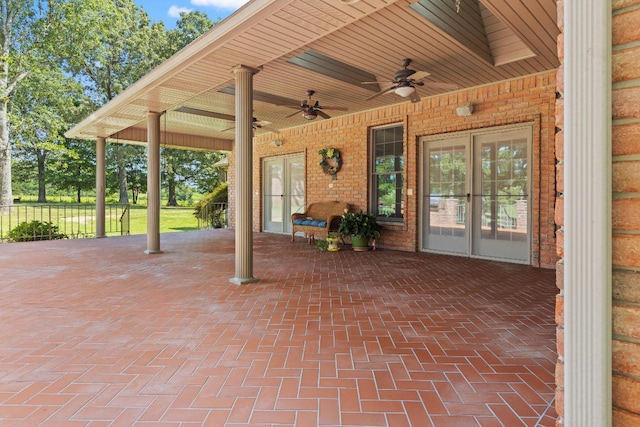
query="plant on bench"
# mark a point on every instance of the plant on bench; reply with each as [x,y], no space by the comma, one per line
[318,219]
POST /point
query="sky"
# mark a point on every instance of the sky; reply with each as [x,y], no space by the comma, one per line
[168,11]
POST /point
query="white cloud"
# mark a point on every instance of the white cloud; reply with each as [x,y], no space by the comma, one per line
[175,11]
[222,4]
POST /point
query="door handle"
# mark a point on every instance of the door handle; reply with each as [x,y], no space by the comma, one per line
[468,197]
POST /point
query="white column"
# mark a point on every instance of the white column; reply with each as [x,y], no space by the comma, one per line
[244,176]
[101,182]
[153,183]
[587,222]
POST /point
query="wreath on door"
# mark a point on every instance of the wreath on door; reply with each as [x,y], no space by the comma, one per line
[331,161]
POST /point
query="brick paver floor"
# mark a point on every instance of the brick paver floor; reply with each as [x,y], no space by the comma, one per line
[94,332]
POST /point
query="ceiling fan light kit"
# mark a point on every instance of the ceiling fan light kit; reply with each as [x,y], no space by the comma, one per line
[309,115]
[405,91]
[405,81]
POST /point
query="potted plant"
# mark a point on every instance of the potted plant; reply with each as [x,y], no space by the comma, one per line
[361,227]
[332,240]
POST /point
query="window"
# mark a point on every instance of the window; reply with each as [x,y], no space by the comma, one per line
[387,173]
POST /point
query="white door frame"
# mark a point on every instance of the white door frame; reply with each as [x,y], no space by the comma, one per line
[471,162]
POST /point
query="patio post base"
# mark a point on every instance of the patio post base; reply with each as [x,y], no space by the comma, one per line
[153,251]
[243,280]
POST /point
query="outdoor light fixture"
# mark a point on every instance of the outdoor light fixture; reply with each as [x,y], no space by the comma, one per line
[276,142]
[309,115]
[405,90]
[464,110]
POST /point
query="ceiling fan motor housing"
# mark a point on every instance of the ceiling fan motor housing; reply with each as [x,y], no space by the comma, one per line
[403,75]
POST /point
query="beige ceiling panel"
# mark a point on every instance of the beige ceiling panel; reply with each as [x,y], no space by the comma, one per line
[371,35]
[531,22]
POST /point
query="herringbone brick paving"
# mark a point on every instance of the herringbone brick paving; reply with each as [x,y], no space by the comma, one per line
[97,333]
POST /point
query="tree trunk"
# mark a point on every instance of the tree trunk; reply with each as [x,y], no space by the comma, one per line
[79,192]
[122,173]
[171,184]
[6,196]
[42,187]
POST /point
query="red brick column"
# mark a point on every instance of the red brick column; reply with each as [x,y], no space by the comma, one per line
[559,218]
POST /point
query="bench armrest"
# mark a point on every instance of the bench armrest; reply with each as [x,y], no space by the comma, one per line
[298,215]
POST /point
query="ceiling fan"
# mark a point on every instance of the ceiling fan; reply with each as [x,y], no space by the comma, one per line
[311,110]
[257,124]
[405,81]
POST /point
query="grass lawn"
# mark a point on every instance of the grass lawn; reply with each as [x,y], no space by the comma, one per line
[171,219]
[79,220]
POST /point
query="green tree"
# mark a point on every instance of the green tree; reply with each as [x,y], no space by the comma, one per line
[189,27]
[75,169]
[188,169]
[126,46]
[22,26]
[42,109]
[127,160]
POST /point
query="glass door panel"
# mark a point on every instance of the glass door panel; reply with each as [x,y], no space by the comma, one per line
[283,192]
[501,196]
[295,169]
[273,194]
[446,218]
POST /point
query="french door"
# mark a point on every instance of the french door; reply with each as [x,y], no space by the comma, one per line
[283,191]
[476,190]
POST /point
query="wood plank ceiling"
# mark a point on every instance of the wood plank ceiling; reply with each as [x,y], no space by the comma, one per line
[328,46]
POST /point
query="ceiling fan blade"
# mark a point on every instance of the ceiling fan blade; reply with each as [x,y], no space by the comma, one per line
[382,92]
[419,75]
[293,114]
[322,114]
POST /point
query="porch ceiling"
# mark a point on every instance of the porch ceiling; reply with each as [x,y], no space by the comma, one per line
[483,42]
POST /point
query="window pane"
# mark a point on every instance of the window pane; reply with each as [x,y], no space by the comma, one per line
[388,166]
[390,195]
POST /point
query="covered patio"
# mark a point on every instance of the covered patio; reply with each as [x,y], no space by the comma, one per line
[95,333]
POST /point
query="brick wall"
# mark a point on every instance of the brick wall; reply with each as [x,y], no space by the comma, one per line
[626,212]
[530,99]
[559,219]
[625,219]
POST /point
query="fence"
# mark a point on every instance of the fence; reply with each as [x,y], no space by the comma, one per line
[212,215]
[61,221]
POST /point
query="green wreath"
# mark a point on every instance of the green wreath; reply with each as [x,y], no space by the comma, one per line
[331,161]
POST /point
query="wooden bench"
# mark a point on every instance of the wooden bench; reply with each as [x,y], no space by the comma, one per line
[318,220]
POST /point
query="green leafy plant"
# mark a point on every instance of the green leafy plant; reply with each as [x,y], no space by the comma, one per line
[322,244]
[35,230]
[212,208]
[359,224]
